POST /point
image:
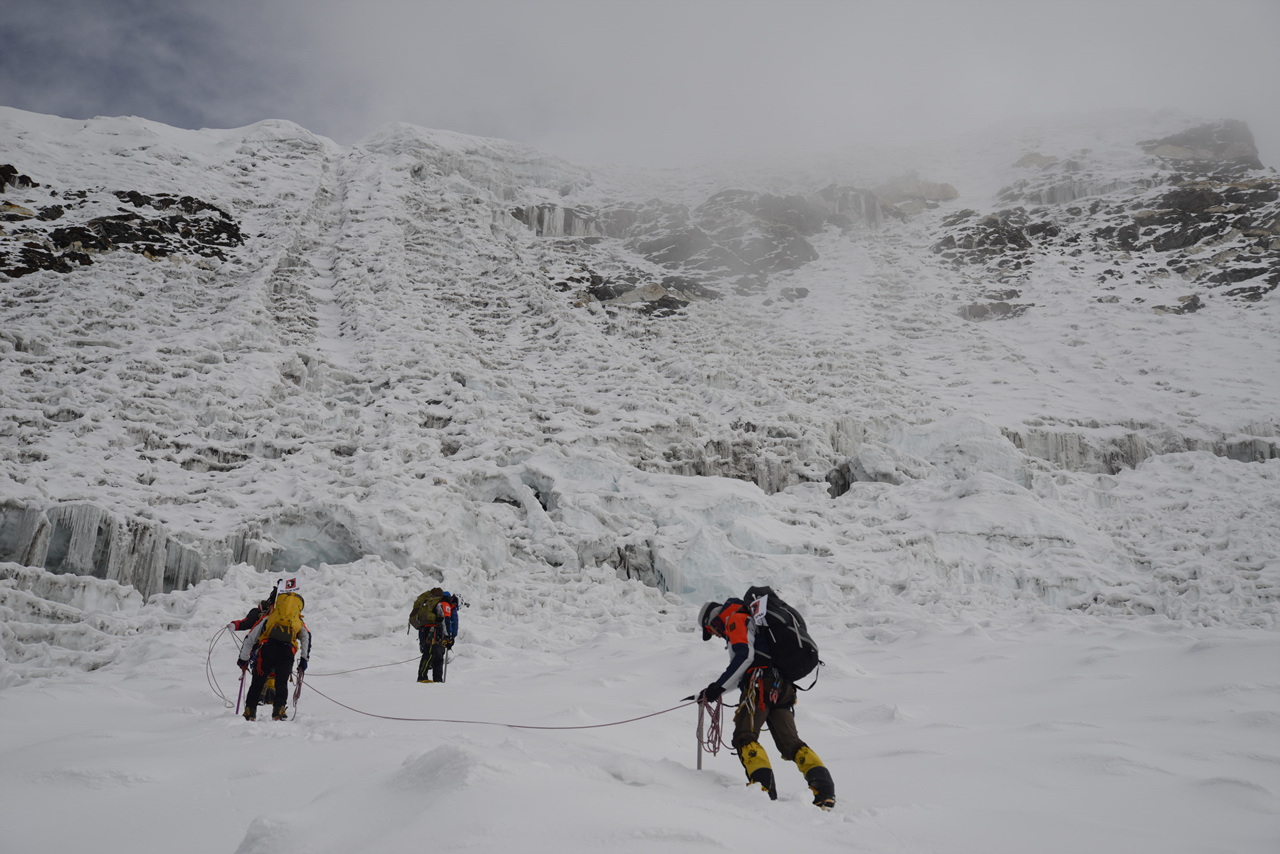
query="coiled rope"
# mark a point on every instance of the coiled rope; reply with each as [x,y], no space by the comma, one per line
[712,737]
[209,674]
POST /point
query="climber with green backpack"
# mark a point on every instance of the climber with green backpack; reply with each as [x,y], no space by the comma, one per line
[279,637]
[435,616]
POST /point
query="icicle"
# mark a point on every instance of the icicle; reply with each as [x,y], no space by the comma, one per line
[86,523]
[33,538]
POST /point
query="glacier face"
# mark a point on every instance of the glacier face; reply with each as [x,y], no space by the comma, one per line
[462,356]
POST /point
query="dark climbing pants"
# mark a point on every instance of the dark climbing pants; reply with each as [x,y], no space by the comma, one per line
[431,645]
[767,698]
[275,658]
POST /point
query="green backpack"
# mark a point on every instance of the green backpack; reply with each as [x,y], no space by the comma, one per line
[424,608]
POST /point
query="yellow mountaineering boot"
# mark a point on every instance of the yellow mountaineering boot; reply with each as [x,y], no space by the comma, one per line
[817,776]
[756,763]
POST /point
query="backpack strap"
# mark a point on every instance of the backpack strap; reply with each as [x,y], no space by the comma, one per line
[816,671]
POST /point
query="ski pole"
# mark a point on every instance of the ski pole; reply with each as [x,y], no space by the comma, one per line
[240,693]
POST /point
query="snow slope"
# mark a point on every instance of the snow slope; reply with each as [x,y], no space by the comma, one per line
[388,384]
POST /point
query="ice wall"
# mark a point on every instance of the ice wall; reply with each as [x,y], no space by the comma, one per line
[81,538]
[548,220]
[1110,449]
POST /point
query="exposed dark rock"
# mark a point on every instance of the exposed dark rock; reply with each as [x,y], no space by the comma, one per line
[911,194]
[736,237]
[1237,274]
[1186,305]
[1205,216]
[1228,142]
[675,249]
[1254,293]
[1034,159]
[688,287]
[849,206]
[78,237]
[664,306]
[1003,234]
[11,177]
[1190,199]
[998,310]
[164,225]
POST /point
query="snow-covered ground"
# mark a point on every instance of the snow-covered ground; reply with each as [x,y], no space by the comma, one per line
[1022,651]
[1031,730]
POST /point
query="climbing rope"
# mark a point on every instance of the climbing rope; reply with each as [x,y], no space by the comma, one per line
[713,733]
[712,738]
[209,675]
[493,723]
[358,669]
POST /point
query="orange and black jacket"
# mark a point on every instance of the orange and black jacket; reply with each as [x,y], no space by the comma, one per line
[745,649]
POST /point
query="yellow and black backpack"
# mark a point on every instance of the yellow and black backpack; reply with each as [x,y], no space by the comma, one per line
[284,623]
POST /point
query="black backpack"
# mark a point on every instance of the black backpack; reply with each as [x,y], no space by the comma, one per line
[792,650]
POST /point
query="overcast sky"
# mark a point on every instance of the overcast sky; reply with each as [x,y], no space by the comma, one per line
[661,82]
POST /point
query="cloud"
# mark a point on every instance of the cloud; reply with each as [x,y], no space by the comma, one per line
[663,81]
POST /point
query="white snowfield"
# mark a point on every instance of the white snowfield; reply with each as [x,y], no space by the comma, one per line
[386,386]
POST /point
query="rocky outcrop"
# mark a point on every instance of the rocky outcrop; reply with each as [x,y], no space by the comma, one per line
[11,177]
[62,230]
[848,207]
[1204,213]
[910,194]
[1226,143]
[736,240]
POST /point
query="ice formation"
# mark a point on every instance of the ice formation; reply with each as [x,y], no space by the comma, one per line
[411,356]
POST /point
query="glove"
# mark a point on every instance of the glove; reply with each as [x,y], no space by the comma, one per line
[232,625]
[244,665]
[302,666]
[711,693]
[448,643]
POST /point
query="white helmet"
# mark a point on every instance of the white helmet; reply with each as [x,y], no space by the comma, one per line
[706,614]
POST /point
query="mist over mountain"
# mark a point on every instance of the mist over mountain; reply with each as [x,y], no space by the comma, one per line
[996,408]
